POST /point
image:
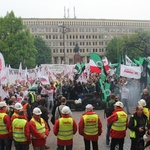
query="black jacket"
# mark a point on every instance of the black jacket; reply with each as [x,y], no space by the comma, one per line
[141,122]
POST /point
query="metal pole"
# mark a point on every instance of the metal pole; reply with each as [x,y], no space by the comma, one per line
[64,43]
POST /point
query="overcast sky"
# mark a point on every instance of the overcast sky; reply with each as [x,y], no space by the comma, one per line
[95,9]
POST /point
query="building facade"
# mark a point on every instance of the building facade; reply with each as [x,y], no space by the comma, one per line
[91,35]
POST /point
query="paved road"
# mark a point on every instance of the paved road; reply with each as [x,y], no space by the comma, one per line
[78,140]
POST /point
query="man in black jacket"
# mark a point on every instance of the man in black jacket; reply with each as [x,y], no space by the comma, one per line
[138,122]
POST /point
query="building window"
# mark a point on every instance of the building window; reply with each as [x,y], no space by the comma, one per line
[70,61]
[55,60]
[62,60]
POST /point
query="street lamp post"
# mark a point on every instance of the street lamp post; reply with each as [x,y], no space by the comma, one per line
[64,30]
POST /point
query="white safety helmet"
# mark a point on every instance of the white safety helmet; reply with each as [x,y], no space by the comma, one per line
[119,104]
[65,110]
[142,102]
[89,107]
[18,106]
[37,111]
[3,104]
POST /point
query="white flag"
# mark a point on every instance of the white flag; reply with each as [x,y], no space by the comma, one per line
[26,75]
[130,71]
[19,77]
[128,61]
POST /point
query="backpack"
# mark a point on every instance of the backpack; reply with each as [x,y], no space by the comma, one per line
[109,108]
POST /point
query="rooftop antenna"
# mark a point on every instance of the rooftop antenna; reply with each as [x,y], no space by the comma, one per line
[74,13]
[68,12]
[64,12]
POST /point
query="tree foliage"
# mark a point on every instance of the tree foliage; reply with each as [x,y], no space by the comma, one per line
[16,42]
[134,45]
[44,52]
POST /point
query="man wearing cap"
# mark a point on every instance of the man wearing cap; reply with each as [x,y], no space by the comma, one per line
[64,128]
[17,107]
[20,132]
[142,103]
[5,123]
[39,130]
[90,127]
[119,123]
[137,124]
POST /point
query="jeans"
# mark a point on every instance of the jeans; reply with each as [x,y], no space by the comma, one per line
[114,142]
[62,147]
[108,134]
[50,104]
[20,146]
[126,104]
[5,144]
[87,144]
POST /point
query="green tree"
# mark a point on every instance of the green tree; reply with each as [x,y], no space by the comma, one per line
[134,45]
[114,50]
[16,42]
[143,42]
[44,52]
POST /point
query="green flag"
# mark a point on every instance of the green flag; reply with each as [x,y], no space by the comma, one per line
[113,65]
[105,90]
[78,68]
[97,59]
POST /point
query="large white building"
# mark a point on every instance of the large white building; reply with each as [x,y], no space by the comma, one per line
[91,35]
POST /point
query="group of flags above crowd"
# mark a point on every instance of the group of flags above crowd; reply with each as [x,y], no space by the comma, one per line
[96,65]
[80,72]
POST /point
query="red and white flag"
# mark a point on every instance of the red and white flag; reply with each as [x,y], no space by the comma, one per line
[2,62]
[94,67]
[2,72]
[105,64]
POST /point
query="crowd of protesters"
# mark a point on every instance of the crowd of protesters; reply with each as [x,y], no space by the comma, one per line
[30,110]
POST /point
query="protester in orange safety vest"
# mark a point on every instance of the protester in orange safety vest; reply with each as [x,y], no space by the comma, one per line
[90,127]
[5,123]
[39,130]
[64,128]
[20,132]
[119,123]
[27,109]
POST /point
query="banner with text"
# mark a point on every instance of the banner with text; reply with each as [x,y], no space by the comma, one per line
[130,71]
